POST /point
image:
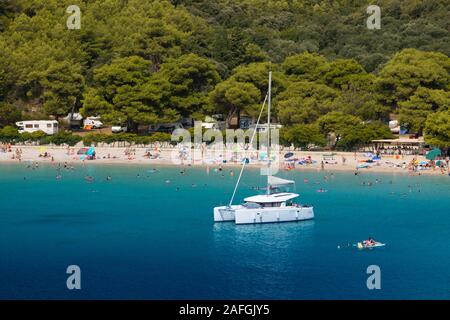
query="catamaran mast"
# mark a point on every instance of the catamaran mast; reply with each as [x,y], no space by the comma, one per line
[266,99]
[250,145]
[268,131]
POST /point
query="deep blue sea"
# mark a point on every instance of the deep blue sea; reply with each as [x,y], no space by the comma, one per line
[139,236]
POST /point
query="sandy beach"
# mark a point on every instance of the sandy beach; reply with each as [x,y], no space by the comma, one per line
[327,161]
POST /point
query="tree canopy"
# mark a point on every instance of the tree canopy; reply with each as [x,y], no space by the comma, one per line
[437,129]
[141,62]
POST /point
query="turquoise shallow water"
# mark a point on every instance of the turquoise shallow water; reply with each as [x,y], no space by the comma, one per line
[142,238]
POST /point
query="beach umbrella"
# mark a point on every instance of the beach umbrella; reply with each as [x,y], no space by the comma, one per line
[433,154]
[91,151]
[288,155]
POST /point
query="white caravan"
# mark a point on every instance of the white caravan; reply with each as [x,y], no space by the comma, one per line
[47,126]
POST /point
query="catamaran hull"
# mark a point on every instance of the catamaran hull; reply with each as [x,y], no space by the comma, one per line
[246,216]
[224,214]
[241,215]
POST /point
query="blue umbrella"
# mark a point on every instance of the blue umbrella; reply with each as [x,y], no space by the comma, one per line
[91,151]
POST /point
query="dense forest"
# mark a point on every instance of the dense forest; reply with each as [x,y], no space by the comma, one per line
[149,61]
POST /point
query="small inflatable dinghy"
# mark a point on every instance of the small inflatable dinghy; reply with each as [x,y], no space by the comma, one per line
[361,245]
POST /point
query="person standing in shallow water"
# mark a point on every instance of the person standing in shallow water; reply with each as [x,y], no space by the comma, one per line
[322,165]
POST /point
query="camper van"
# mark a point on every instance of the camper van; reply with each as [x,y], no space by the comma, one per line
[92,123]
[47,126]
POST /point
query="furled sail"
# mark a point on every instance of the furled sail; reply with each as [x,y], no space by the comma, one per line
[278,182]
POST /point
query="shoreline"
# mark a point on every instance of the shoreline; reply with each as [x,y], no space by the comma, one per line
[116,156]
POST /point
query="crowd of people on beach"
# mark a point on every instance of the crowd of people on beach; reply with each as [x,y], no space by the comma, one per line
[5,147]
[416,165]
[442,164]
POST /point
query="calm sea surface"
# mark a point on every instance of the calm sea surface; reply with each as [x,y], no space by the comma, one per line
[140,236]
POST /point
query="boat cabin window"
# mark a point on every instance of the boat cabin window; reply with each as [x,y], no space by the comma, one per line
[28,126]
[271,204]
[36,126]
[252,205]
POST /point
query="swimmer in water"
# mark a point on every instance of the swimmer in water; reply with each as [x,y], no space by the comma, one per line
[167,181]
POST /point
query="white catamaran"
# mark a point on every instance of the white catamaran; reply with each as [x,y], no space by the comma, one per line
[274,205]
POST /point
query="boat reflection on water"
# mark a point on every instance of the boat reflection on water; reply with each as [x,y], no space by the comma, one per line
[275,234]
